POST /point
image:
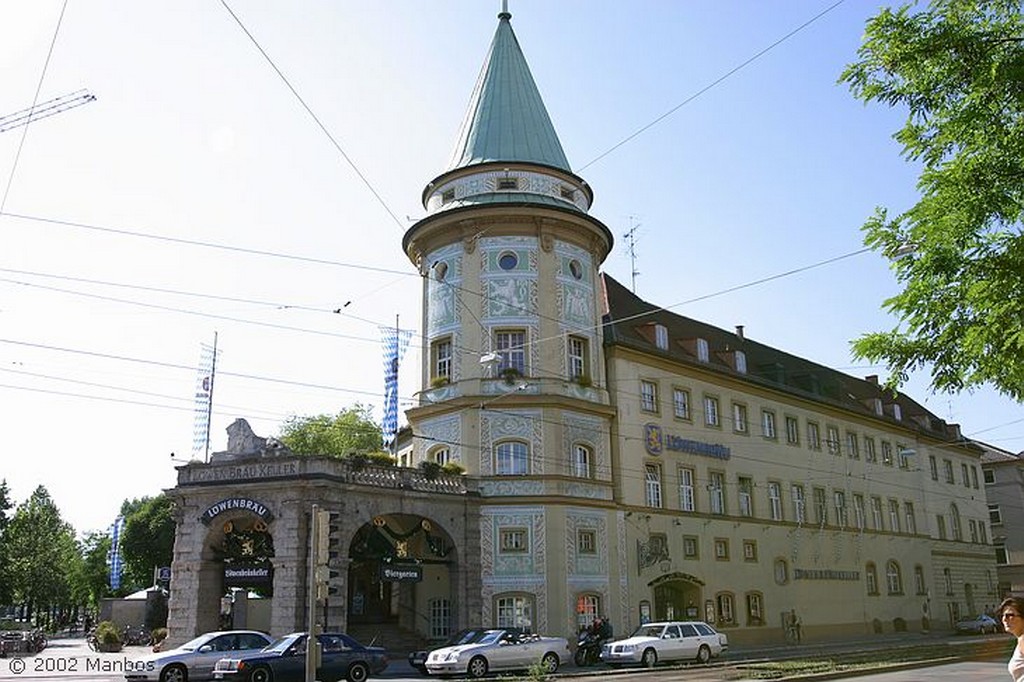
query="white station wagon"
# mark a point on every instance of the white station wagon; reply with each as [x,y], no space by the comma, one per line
[499,650]
[668,641]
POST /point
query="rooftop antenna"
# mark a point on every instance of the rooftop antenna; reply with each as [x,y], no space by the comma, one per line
[631,236]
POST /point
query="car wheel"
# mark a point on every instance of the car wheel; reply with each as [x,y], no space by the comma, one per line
[549,662]
[261,674]
[580,657]
[174,673]
[477,667]
[703,653]
[649,659]
[357,672]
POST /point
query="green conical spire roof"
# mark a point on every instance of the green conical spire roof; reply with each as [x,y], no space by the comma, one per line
[506,120]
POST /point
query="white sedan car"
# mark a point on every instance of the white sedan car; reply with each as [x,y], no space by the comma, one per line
[668,641]
[499,650]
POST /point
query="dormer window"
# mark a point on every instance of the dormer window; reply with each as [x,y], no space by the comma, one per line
[703,353]
[661,336]
[448,196]
[897,413]
[568,193]
[741,362]
[508,184]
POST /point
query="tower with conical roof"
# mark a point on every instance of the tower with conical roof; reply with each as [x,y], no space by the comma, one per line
[514,379]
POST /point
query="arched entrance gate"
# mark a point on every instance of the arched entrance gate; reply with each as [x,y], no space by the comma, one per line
[400,573]
[677,596]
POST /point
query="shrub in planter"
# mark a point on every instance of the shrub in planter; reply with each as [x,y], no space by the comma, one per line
[431,470]
[510,374]
[453,469]
[108,636]
[438,382]
[381,459]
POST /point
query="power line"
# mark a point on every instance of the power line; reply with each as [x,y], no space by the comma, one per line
[35,99]
[711,85]
[313,115]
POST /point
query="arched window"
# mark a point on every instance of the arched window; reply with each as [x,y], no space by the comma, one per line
[582,461]
[440,455]
[871,578]
[947,580]
[511,458]
[954,517]
[781,572]
[588,607]
[893,578]
[755,608]
[920,587]
[513,611]
[725,608]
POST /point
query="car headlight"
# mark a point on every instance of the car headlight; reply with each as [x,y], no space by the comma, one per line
[452,656]
[628,648]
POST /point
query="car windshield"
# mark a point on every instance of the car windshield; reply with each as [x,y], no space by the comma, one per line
[194,644]
[466,637]
[281,645]
[649,631]
[488,637]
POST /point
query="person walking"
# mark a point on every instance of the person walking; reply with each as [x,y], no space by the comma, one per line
[1012,613]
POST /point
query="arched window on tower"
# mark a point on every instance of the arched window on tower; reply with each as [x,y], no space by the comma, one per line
[511,458]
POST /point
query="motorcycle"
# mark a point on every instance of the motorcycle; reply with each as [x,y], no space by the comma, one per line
[588,649]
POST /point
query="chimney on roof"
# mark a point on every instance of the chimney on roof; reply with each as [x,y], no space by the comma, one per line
[872,378]
[739,331]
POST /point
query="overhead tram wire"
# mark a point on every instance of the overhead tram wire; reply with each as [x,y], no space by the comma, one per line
[35,101]
[313,115]
[711,85]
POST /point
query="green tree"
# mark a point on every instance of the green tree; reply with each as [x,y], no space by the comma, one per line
[147,539]
[42,551]
[350,431]
[6,594]
[91,581]
[957,67]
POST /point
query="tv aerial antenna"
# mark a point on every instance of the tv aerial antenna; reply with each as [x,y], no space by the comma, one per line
[630,235]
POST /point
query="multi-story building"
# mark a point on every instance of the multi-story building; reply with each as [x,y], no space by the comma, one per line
[620,459]
[1003,473]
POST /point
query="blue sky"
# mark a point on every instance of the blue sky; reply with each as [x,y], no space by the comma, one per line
[194,137]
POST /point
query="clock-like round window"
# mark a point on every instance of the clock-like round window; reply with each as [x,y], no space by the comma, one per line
[576,269]
[508,261]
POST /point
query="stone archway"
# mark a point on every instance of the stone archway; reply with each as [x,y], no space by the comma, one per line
[677,596]
[402,572]
[236,571]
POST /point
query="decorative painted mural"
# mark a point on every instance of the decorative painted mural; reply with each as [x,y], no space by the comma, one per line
[591,432]
[525,425]
[504,573]
[447,430]
[592,563]
[444,279]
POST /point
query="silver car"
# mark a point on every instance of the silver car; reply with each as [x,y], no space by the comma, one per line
[194,660]
[499,649]
[667,641]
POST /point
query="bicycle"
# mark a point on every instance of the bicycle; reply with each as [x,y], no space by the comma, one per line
[91,641]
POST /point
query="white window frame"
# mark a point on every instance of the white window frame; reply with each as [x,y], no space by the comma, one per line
[799,497]
[681,403]
[648,396]
[511,458]
[582,461]
[687,489]
[775,500]
[711,411]
[652,485]
[510,345]
[716,492]
[768,424]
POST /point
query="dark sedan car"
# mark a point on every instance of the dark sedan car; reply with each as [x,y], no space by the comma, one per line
[978,625]
[285,661]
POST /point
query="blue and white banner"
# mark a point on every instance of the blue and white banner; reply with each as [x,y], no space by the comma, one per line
[394,342]
[114,562]
[203,396]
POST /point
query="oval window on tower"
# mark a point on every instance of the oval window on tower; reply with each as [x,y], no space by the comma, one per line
[576,269]
[508,261]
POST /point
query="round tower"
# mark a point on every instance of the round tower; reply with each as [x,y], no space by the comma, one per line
[513,371]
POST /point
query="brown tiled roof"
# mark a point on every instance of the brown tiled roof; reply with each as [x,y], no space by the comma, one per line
[629,322]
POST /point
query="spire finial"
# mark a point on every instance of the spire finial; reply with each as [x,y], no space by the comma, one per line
[504,11]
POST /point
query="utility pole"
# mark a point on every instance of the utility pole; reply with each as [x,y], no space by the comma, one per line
[312,642]
[631,236]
